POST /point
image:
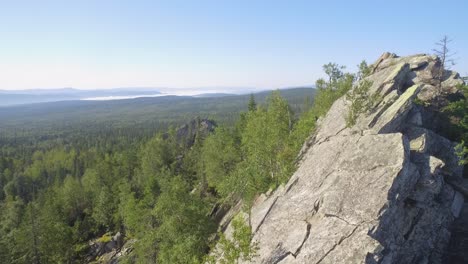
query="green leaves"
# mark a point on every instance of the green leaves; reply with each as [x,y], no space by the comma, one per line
[327,93]
[253,157]
[462,152]
[458,114]
[334,72]
[364,70]
[252,106]
[220,154]
[265,136]
[158,154]
[361,101]
[184,224]
[237,247]
[103,211]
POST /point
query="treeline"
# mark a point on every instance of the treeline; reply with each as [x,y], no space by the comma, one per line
[162,192]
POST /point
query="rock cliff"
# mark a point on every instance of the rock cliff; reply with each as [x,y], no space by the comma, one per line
[381,191]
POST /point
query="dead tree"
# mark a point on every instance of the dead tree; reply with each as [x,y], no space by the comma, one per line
[446,58]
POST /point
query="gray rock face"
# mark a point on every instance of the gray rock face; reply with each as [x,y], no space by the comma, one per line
[187,133]
[375,192]
[457,252]
[111,251]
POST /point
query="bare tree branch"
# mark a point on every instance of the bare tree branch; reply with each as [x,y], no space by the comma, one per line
[446,57]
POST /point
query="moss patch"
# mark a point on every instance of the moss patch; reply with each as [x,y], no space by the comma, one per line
[105,238]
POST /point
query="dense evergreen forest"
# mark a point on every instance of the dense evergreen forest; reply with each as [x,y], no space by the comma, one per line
[64,184]
[140,117]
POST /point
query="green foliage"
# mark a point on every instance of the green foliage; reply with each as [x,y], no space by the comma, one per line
[262,139]
[183,223]
[252,157]
[364,70]
[105,238]
[103,210]
[458,114]
[462,152]
[73,199]
[158,154]
[55,236]
[260,153]
[135,213]
[219,156]
[252,106]
[361,101]
[12,213]
[327,93]
[419,102]
[334,72]
[239,247]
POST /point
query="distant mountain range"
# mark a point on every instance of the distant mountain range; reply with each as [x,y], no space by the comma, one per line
[16,97]
[24,97]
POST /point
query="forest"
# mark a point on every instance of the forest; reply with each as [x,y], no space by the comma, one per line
[140,117]
[63,187]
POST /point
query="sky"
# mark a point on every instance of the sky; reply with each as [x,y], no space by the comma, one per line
[226,45]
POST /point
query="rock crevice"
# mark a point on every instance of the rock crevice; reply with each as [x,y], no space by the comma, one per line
[336,245]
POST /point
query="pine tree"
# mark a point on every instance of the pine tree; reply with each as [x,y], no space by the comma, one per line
[252,104]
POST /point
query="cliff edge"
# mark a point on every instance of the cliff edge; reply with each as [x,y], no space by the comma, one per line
[379,191]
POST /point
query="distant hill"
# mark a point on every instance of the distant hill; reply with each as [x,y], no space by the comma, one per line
[139,113]
[17,97]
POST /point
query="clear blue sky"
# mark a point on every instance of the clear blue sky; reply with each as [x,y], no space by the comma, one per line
[266,44]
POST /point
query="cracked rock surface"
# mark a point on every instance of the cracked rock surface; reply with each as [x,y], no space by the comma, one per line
[375,192]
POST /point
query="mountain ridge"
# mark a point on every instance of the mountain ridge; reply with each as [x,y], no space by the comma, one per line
[376,190]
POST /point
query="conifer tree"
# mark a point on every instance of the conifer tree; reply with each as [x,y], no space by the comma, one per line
[252,104]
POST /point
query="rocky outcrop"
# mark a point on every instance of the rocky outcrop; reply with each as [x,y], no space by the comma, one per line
[377,192]
[186,134]
[109,249]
